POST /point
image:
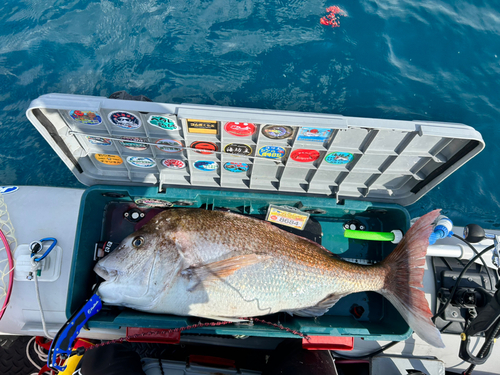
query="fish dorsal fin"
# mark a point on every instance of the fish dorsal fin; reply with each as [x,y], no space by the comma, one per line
[320,308]
[220,269]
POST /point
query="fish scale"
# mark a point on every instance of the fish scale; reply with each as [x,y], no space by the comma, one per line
[222,265]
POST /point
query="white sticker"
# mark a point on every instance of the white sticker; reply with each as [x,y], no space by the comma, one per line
[289,216]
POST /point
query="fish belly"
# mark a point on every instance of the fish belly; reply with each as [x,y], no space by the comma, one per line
[254,291]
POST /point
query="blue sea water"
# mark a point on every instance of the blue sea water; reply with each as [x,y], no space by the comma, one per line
[435,60]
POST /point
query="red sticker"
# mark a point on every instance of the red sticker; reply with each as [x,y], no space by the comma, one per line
[240,129]
[305,156]
[173,163]
[202,145]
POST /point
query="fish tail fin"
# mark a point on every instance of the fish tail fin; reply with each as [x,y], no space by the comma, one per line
[404,277]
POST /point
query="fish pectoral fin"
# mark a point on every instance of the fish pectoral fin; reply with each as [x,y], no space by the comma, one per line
[220,269]
[320,308]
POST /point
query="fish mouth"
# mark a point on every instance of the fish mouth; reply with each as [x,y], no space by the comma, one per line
[104,272]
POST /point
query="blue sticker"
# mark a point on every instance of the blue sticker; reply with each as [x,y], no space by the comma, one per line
[236,167]
[85,117]
[205,165]
[314,134]
[98,141]
[272,152]
[141,162]
[339,158]
[8,189]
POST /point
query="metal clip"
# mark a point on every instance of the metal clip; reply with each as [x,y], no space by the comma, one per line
[495,258]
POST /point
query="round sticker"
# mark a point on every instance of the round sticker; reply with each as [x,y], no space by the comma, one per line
[339,158]
[173,163]
[98,141]
[240,129]
[163,123]
[236,167]
[304,156]
[109,159]
[141,162]
[169,145]
[202,145]
[85,117]
[152,202]
[205,165]
[277,131]
[272,152]
[238,148]
[132,143]
[124,120]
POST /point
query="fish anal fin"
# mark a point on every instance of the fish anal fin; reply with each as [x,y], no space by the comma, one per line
[220,269]
[320,308]
[224,318]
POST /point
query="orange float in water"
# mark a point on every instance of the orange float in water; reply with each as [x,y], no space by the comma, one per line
[332,18]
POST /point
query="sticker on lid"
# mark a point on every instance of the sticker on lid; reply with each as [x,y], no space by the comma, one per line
[272,152]
[202,126]
[163,123]
[202,145]
[314,134]
[205,165]
[108,159]
[169,145]
[304,156]
[141,162]
[124,120]
[240,129]
[236,167]
[98,141]
[85,117]
[153,202]
[238,148]
[8,189]
[339,158]
[289,216]
[277,131]
[134,143]
[173,163]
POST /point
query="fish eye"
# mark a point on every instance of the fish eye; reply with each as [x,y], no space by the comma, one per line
[137,242]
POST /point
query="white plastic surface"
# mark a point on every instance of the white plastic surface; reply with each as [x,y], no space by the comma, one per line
[396,366]
[38,212]
[323,154]
[50,266]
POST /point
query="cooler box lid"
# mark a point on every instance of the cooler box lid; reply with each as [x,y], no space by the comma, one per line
[140,143]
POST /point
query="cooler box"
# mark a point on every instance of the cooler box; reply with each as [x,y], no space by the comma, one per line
[154,156]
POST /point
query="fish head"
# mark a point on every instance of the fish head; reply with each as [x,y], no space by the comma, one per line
[132,272]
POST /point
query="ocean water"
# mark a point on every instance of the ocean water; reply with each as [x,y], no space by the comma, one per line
[397,59]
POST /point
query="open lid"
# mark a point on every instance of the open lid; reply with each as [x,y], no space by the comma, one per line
[139,143]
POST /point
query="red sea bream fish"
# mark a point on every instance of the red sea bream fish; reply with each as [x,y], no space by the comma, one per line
[223,266]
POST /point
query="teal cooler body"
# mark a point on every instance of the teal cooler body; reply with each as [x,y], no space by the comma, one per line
[335,168]
[380,320]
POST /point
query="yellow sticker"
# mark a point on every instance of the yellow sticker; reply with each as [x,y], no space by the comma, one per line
[109,159]
[287,217]
[202,126]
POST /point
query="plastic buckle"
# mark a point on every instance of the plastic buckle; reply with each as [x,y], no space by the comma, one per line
[328,343]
